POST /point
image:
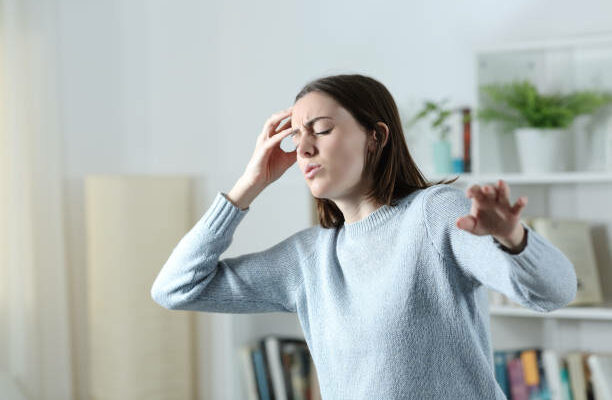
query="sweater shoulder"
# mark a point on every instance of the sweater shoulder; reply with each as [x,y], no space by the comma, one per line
[308,240]
[440,206]
[442,200]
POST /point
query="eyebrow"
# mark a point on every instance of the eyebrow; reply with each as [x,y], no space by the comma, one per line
[309,123]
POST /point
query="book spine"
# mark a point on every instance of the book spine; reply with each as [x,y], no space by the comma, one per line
[267,368]
[518,389]
[275,367]
[544,387]
[263,385]
[499,360]
[552,372]
[287,361]
[246,358]
[566,389]
[530,371]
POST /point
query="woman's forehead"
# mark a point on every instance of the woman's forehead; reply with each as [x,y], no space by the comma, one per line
[313,105]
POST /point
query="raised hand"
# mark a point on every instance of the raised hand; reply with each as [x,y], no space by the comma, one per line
[492,214]
[269,161]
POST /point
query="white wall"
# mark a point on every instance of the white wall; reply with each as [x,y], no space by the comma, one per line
[151,86]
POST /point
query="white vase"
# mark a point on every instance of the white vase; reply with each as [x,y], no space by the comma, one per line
[543,150]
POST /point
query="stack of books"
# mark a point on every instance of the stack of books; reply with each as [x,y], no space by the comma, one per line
[279,368]
[536,374]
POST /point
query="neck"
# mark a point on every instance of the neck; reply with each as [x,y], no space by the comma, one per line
[356,209]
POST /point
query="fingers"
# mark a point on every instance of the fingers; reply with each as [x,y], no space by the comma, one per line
[467,223]
[274,120]
[279,136]
[284,125]
[504,193]
[500,194]
[519,205]
[473,192]
[490,192]
[479,193]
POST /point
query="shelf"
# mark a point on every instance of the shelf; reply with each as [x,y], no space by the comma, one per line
[586,313]
[532,179]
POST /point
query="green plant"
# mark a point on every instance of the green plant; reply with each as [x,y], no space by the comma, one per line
[441,115]
[519,104]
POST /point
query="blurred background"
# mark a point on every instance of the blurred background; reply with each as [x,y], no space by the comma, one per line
[120,121]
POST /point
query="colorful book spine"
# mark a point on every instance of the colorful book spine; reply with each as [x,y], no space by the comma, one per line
[516,376]
[261,375]
[499,360]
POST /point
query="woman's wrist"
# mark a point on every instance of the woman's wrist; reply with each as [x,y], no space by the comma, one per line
[243,193]
[516,242]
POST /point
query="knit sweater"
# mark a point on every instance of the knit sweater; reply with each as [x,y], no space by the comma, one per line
[393,306]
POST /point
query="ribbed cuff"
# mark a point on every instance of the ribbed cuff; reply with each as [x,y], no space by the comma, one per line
[513,252]
[222,216]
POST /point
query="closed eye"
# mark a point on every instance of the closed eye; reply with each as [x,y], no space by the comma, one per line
[316,133]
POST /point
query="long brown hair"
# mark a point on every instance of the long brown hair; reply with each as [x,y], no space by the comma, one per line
[390,165]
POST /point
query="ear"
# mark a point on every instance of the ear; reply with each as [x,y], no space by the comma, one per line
[384,130]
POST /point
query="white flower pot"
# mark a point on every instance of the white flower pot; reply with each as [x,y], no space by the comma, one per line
[543,149]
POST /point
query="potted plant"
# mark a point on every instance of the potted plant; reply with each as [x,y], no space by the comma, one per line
[439,124]
[540,122]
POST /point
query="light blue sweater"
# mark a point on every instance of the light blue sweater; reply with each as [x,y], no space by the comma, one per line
[394,306]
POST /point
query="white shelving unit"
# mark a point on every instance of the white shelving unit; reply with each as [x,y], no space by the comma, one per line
[562,178]
[586,313]
[584,193]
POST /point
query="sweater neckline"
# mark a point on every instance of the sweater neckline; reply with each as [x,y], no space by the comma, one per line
[376,218]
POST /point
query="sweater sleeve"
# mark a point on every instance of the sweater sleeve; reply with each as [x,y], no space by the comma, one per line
[539,277]
[194,278]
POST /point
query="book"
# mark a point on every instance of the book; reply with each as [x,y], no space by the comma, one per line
[501,374]
[566,389]
[271,346]
[534,375]
[552,371]
[282,368]
[516,377]
[578,378]
[248,369]
[296,361]
[544,374]
[573,238]
[261,374]
[601,372]
[530,369]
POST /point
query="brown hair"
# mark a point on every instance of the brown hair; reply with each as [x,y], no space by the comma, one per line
[390,164]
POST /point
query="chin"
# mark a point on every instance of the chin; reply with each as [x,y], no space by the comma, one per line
[317,190]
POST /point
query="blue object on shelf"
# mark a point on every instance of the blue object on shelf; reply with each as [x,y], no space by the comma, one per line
[458,165]
[442,156]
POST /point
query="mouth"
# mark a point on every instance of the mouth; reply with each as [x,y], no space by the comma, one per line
[311,170]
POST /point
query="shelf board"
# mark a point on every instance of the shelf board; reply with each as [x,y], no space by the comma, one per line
[532,179]
[572,312]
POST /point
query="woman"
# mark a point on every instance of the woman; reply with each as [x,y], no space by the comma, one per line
[391,288]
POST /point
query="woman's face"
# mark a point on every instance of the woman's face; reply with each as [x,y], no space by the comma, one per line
[334,141]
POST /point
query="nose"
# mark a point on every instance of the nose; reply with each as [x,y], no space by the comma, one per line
[306,146]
